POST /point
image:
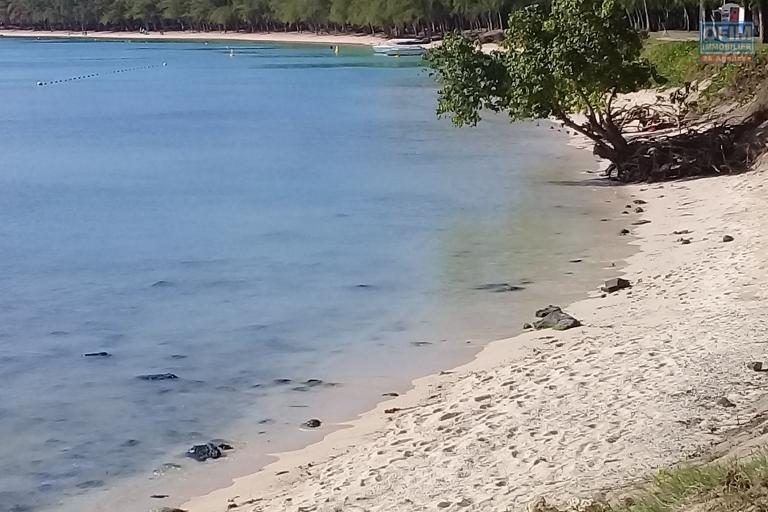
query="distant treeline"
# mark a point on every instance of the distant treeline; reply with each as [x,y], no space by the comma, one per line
[390,16]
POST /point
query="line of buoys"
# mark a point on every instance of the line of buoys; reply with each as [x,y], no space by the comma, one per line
[94,75]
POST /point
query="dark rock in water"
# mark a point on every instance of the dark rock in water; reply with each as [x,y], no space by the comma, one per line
[628,206]
[90,484]
[615,284]
[158,496]
[641,222]
[575,260]
[527,326]
[724,402]
[266,421]
[639,210]
[159,376]
[300,389]
[391,393]
[557,320]
[420,343]
[624,231]
[97,354]
[499,287]
[312,382]
[178,356]
[313,423]
[222,444]
[727,238]
[541,313]
[170,509]
[682,232]
[362,285]
[758,366]
[639,201]
[130,443]
[684,241]
[282,381]
[203,452]
[161,284]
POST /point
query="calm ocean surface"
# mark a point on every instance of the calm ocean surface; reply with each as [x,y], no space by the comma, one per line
[285,213]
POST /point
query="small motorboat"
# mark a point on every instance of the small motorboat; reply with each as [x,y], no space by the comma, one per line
[401,47]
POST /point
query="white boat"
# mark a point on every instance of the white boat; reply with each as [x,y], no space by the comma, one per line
[400,47]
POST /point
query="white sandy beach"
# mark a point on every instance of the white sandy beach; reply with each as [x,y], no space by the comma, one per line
[570,414]
[275,37]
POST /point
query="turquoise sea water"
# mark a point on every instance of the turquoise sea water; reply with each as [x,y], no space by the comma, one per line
[283,213]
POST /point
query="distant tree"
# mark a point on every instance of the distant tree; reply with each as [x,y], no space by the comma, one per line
[575,59]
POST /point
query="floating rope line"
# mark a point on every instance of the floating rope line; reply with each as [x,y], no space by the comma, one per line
[94,75]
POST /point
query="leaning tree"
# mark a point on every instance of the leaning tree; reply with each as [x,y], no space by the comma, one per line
[569,63]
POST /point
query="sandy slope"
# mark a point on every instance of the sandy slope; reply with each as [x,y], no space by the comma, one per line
[571,413]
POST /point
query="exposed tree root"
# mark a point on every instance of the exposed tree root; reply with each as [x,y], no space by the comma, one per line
[721,149]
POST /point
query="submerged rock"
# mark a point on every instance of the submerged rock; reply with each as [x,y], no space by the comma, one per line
[222,444]
[282,381]
[615,284]
[639,201]
[312,382]
[499,287]
[557,320]
[203,452]
[641,222]
[313,423]
[97,354]
[158,376]
[161,284]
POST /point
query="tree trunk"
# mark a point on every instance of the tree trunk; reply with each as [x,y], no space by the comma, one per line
[647,18]
[762,6]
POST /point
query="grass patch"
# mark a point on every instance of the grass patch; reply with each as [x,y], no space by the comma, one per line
[734,486]
[676,62]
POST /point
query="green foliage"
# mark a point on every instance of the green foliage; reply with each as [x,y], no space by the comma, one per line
[392,16]
[676,62]
[731,486]
[574,59]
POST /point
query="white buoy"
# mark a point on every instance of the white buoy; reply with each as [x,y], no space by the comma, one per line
[231,52]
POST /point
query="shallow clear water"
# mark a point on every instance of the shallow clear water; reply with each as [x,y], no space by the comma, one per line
[283,213]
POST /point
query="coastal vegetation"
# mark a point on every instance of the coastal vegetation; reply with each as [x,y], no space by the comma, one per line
[390,16]
[573,62]
[726,486]
[576,58]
